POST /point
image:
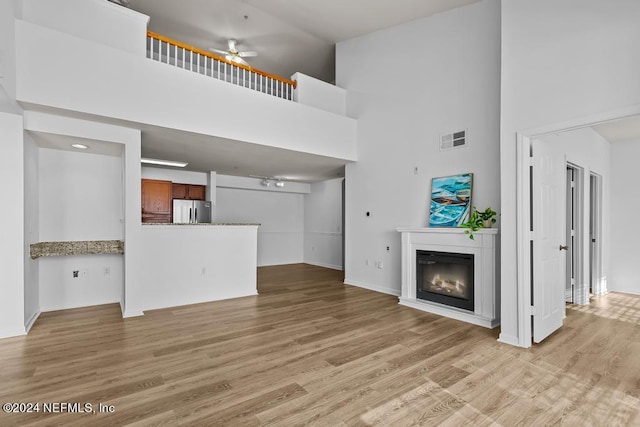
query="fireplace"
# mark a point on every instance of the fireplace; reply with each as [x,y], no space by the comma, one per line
[445,278]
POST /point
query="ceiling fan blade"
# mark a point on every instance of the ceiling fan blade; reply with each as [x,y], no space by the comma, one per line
[232,45]
[221,52]
[247,54]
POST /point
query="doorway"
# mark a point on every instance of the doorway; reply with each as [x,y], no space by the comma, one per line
[529,306]
[575,288]
[562,266]
[596,286]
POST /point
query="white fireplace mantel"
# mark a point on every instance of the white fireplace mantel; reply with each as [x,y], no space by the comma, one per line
[486,287]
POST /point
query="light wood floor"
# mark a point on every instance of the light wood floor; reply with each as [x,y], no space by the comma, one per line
[309,350]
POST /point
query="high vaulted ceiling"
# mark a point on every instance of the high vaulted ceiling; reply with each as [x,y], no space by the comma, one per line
[289,35]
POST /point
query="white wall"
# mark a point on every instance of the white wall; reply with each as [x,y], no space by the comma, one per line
[323,224]
[59,290]
[562,60]
[588,150]
[12,220]
[625,205]
[80,199]
[80,196]
[31,229]
[451,82]
[281,219]
[134,252]
[174,175]
[113,83]
[8,10]
[318,94]
[96,20]
[215,262]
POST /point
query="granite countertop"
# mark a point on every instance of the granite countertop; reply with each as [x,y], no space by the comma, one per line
[76,247]
[205,223]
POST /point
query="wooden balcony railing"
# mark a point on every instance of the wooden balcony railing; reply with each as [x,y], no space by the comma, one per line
[173,52]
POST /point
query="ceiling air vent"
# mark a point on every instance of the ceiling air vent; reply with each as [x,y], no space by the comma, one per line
[453,140]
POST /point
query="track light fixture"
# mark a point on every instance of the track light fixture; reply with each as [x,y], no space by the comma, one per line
[266,180]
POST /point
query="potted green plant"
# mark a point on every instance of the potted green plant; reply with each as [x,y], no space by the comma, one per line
[479,219]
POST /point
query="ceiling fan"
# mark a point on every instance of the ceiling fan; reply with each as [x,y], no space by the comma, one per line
[233,54]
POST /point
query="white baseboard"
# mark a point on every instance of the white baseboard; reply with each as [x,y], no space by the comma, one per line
[177,305]
[273,264]
[10,333]
[621,291]
[321,264]
[31,321]
[381,289]
[509,339]
[132,313]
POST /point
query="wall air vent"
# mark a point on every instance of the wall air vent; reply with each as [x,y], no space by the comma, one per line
[453,140]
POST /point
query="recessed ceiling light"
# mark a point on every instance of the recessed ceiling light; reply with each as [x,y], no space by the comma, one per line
[80,146]
[163,162]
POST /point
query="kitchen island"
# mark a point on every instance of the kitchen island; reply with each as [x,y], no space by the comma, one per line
[194,263]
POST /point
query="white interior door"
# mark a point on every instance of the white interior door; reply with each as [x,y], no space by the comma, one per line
[549,247]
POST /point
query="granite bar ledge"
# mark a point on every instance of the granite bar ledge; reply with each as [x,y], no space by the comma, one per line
[76,247]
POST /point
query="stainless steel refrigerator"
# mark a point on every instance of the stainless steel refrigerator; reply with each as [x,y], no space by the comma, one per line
[192,211]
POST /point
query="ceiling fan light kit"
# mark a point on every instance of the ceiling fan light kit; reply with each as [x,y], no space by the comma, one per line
[232,54]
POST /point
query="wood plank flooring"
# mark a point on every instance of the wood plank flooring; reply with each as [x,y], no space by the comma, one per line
[311,351]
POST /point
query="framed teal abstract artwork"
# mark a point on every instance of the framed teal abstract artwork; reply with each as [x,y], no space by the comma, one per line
[450,200]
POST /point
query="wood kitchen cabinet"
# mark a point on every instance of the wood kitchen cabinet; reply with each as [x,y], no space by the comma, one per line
[189,191]
[156,201]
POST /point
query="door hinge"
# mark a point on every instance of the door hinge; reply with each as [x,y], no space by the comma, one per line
[533,310]
[531,161]
[532,236]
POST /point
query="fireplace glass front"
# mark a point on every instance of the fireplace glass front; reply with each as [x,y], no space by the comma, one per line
[445,278]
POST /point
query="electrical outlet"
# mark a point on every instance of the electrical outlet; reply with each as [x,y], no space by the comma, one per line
[76,274]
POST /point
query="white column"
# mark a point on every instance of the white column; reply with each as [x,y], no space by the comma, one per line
[12,223]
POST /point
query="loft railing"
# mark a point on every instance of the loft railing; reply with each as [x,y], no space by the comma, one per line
[172,52]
